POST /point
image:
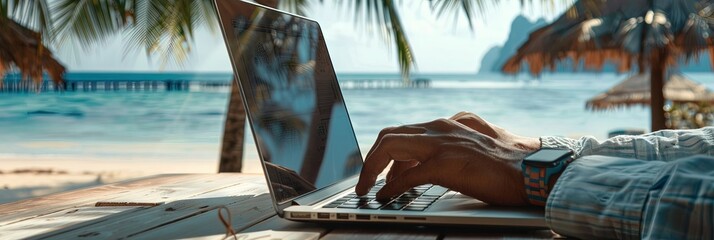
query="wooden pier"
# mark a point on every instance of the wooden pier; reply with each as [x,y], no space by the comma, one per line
[101,85]
[384,83]
[120,81]
[177,82]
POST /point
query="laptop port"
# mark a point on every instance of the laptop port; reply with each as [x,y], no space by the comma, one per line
[387,217]
[343,216]
[300,215]
[415,218]
[323,215]
[361,216]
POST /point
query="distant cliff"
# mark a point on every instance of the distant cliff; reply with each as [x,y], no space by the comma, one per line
[498,55]
[521,28]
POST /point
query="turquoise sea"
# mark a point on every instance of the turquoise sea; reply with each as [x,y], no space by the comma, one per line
[184,125]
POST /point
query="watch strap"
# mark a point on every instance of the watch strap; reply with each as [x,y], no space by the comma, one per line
[536,182]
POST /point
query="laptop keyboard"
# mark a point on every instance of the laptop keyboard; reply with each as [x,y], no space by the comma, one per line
[416,199]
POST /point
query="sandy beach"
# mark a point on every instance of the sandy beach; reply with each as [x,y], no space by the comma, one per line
[24,177]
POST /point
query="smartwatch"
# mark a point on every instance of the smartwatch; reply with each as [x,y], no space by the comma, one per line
[538,167]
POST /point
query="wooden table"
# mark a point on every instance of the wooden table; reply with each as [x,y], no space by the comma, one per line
[187,208]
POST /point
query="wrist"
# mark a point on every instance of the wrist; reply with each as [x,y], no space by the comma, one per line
[528,144]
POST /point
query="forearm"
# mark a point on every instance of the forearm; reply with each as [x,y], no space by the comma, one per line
[593,198]
[606,197]
[666,145]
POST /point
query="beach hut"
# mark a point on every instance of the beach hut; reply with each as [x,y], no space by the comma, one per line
[633,34]
[23,48]
[635,90]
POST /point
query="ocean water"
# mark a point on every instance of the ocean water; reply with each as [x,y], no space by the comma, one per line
[188,125]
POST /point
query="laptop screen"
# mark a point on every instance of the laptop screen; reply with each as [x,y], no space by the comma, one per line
[296,110]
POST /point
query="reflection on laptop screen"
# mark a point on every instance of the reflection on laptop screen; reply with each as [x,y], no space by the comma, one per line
[297,113]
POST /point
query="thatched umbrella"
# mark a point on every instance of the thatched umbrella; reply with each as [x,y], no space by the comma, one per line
[642,33]
[636,91]
[23,48]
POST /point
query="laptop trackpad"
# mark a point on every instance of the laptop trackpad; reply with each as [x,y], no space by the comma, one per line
[454,201]
[458,204]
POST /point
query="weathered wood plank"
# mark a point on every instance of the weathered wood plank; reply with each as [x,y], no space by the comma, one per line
[158,189]
[243,214]
[240,196]
[267,235]
[74,217]
[200,185]
[279,224]
[185,188]
[16,211]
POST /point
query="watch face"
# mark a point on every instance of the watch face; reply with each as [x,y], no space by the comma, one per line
[546,157]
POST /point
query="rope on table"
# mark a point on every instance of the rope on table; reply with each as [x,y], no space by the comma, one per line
[227,223]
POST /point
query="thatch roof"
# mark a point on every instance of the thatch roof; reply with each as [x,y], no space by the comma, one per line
[624,32]
[636,91]
[23,48]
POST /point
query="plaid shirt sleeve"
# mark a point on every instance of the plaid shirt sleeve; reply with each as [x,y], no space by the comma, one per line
[610,192]
[666,145]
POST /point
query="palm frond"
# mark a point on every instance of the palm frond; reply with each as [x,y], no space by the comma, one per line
[167,27]
[298,7]
[161,27]
[3,10]
[470,8]
[404,49]
[154,19]
[87,22]
[383,16]
[206,14]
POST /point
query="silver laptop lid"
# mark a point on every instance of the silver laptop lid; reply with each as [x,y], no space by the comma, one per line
[296,110]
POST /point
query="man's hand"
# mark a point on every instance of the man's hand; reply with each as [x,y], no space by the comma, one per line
[463,153]
[477,123]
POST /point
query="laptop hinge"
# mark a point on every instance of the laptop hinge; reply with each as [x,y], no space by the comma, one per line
[321,194]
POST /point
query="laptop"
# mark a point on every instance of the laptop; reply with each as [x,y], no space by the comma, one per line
[304,136]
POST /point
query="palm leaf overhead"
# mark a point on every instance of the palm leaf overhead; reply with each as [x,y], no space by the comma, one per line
[298,7]
[162,26]
[87,22]
[470,8]
[165,28]
[383,16]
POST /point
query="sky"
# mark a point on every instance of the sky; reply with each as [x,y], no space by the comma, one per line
[441,44]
